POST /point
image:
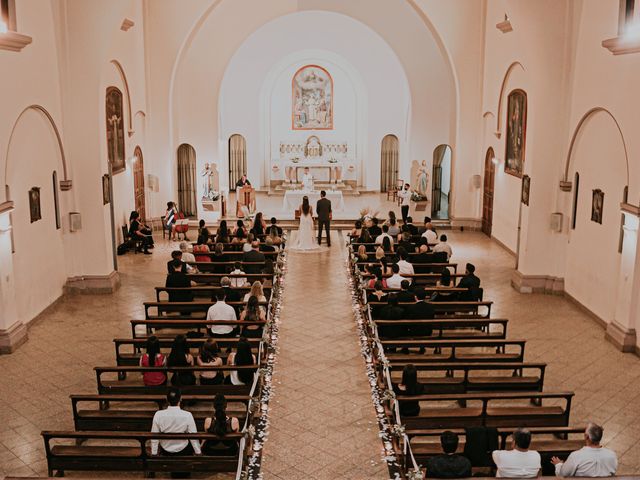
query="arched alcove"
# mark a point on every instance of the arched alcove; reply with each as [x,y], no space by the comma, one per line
[389,163]
[237,158]
[187,201]
[487,191]
[441,182]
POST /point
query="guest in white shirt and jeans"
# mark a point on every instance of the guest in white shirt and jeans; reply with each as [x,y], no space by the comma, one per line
[222,311]
[385,233]
[592,460]
[174,420]
[520,462]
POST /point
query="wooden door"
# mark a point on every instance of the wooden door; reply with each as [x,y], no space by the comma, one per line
[487,203]
[138,184]
[389,163]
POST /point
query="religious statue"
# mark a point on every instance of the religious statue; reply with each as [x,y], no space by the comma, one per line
[422,180]
[206,181]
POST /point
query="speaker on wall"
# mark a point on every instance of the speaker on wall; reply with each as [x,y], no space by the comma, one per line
[477,181]
[75,221]
[556,222]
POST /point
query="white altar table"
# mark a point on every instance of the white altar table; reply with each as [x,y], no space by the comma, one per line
[293,199]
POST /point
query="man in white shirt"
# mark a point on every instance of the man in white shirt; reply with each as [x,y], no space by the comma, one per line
[405,196]
[385,233]
[520,462]
[592,460]
[405,267]
[430,234]
[443,246]
[174,420]
[221,311]
[395,280]
[237,281]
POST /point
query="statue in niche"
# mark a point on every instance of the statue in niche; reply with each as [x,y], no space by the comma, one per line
[115,130]
[422,180]
[210,180]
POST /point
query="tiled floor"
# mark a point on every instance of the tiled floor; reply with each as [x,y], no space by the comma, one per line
[322,422]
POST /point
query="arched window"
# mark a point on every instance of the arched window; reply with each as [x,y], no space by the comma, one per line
[574,208]
[388,163]
[516,133]
[187,180]
[115,130]
[138,184]
[237,158]
[56,199]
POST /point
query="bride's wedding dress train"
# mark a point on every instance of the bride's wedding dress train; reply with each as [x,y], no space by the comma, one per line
[305,239]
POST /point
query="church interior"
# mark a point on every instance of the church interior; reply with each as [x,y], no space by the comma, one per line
[470,305]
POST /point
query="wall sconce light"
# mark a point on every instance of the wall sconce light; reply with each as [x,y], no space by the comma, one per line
[495,160]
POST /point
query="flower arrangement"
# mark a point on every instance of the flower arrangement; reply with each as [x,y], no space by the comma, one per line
[295,159]
[213,195]
[418,197]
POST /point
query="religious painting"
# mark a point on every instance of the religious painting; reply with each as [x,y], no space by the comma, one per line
[34,204]
[312,99]
[597,204]
[106,189]
[516,133]
[115,130]
[526,186]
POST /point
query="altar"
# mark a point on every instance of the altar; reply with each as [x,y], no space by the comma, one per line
[293,199]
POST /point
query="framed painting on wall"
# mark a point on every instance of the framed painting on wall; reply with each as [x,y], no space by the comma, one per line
[115,130]
[312,99]
[526,186]
[597,205]
[516,133]
[34,204]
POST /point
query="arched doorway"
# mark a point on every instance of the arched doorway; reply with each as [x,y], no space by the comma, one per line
[487,202]
[388,163]
[441,183]
[187,180]
[138,183]
[237,158]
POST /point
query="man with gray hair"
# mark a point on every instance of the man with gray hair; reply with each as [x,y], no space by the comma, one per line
[592,460]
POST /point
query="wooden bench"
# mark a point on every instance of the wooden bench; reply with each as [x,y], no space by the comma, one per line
[449,308]
[133,385]
[455,353]
[450,329]
[206,291]
[495,410]
[214,278]
[128,451]
[430,267]
[184,308]
[421,278]
[473,377]
[135,412]
[152,326]
[236,255]
[205,267]
[138,344]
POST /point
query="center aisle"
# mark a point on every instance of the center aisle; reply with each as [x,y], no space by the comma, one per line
[321,419]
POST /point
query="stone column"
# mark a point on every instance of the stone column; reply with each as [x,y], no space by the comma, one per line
[621,331]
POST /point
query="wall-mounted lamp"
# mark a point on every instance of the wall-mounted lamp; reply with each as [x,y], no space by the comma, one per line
[495,160]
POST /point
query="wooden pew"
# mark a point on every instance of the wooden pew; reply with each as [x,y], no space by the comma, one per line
[417,267]
[421,278]
[450,308]
[181,308]
[152,326]
[137,345]
[454,354]
[134,385]
[453,329]
[120,455]
[236,256]
[214,278]
[211,267]
[473,377]
[207,291]
[488,414]
[135,412]
[429,289]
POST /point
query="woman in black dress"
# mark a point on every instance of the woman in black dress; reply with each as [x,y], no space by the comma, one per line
[407,387]
[220,425]
[180,357]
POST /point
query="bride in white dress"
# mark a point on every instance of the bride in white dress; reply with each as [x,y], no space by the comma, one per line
[305,240]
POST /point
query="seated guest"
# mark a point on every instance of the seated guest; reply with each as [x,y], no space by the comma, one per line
[421,310]
[592,460]
[252,313]
[153,358]
[240,228]
[253,256]
[219,259]
[246,246]
[377,277]
[362,255]
[237,270]
[406,295]
[407,387]
[230,294]
[356,231]
[448,465]
[210,357]
[221,311]
[383,235]
[186,256]
[138,230]
[178,279]
[180,357]
[242,356]
[385,268]
[405,242]
[256,291]
[443,246]
[239,237]
[177,255]
[274,230]
[365,237]
[200,249]
[268,270]
[170,217]
[470,282]
[380,253]
[203,232]
[145,229]
[174,420]
[392,311]
[374,229]
[395,280]
[519,462]
[259,225]
[268,245]
[444,283]
[387,244]
[422,256]
[390,216]
[220,425]
[394,230]
[222,235]
[405,267]
[430,234]
[410,227]
[378,294]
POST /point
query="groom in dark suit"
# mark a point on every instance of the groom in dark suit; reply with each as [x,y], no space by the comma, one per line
[323,210]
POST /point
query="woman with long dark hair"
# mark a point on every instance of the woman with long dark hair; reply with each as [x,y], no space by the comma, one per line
[210,357]
[365,236]
[259,225]
[180,357]
[409,386]
[387,245]
[221,424]
[222,235]
[153,358]
[252,313]
[242,356]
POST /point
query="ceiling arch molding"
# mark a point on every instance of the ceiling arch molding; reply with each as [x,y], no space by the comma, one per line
[125,84]
[498,132]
